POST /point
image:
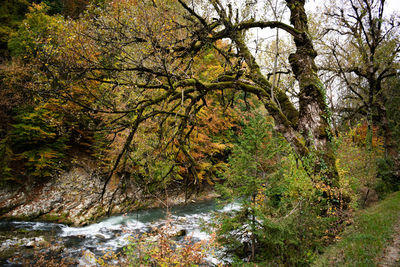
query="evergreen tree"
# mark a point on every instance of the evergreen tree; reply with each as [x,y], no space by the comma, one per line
[254,167]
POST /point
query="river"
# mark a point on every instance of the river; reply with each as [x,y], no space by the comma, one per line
[110,234]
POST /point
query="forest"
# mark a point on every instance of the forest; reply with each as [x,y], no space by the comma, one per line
[290,109]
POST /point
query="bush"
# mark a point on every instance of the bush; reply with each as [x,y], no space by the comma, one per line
[357,167]
[160,248]
[38,141]
[387,179]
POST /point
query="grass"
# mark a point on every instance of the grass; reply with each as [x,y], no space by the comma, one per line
[362,243]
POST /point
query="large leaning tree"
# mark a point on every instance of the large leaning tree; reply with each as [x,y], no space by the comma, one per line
[137,60]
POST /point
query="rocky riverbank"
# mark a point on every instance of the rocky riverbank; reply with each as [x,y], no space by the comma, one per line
[75,198]
[51,244]
[18,244]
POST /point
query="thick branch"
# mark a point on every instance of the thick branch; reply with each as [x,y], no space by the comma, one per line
[269,24]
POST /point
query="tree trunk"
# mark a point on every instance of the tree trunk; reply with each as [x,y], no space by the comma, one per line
[314,117]
[382,119]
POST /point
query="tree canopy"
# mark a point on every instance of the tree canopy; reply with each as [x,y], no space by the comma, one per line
[137,60]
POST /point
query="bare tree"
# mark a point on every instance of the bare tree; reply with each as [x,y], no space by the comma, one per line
[363,53]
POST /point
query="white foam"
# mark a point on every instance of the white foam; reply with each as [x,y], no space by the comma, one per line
[102,228]
[234,206]
[115,232]
[135,225]
[198,234]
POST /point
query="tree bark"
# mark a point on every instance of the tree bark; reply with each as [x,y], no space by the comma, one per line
[382,119]
[314,116]
[307,130]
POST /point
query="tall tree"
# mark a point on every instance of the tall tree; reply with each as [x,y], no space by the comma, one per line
[142,53]
[363,53]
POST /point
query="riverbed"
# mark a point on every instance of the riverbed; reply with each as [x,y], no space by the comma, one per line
[21,240]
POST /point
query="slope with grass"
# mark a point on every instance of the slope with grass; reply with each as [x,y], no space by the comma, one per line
[364,243]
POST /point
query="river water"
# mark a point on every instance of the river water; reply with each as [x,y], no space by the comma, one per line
[112,234]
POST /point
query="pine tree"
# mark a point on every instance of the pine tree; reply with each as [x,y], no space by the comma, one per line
[253,167]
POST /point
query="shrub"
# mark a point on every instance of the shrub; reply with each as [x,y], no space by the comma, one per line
[387,179]
[39,141]
[160,248]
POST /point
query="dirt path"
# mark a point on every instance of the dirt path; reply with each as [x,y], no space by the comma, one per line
[391,254]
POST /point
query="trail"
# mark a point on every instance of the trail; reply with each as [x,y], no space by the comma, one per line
[391,254]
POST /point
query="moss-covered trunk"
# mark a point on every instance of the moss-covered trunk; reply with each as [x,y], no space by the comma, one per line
[314,114]
[308,129]
[382,118]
